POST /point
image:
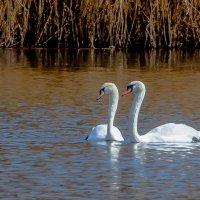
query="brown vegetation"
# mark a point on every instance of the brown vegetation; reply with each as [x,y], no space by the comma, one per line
[101,23]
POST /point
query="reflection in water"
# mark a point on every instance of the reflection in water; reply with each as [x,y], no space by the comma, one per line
[168,147]
[74,60]
[151,151]
[140,149]
[114,150]
[47,107]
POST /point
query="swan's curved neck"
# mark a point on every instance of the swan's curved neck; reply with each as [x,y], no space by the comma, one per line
[133,116]
[112,107]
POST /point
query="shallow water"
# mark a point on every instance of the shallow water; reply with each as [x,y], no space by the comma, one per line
[47,107]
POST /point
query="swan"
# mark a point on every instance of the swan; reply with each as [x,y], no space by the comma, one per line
[107,132]
[167,133]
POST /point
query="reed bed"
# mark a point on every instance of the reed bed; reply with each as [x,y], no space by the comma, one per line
[100,24]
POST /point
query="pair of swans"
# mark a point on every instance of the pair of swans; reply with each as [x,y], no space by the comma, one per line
[167,133]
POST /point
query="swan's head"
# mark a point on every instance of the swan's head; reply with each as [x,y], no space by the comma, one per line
[134,86]
[106,88]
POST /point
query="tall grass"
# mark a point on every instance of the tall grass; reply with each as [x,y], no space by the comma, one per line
[100,23]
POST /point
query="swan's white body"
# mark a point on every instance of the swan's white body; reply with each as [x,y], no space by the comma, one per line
[167,133]
[108,131]
[170,133]
[99,133]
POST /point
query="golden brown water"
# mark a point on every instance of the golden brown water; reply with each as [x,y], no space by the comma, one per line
[47,107]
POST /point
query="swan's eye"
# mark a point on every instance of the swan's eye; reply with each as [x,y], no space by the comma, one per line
[132,87]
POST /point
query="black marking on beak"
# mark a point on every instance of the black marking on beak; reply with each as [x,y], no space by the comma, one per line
[129,89]
[101,93]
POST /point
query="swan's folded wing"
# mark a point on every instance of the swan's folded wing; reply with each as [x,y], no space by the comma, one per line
[171,133]
[98,133]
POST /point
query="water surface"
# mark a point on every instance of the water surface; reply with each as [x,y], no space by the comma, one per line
[47,107]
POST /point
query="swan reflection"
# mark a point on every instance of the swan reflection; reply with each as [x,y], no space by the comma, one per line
[113,149]
[169,147]
[156,151]
[114,152]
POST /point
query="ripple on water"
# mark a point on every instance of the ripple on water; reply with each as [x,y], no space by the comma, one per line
[46,112]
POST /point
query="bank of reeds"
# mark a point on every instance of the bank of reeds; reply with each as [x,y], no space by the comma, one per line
[99,24]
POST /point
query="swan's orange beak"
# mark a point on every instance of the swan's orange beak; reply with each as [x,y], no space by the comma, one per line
[128,91]
[101,93]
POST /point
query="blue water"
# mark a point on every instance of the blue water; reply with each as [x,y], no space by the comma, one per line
[47,109]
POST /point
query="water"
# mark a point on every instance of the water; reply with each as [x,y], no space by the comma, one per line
[47,107]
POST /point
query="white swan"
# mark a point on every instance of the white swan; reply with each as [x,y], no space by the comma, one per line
[107,131]
[165,133]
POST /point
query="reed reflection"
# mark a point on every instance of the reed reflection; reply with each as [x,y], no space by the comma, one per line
[73,60]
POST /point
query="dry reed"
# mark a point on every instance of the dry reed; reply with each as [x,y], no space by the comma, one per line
[100,24]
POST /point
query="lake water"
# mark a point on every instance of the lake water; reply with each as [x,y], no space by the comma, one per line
[47,107]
